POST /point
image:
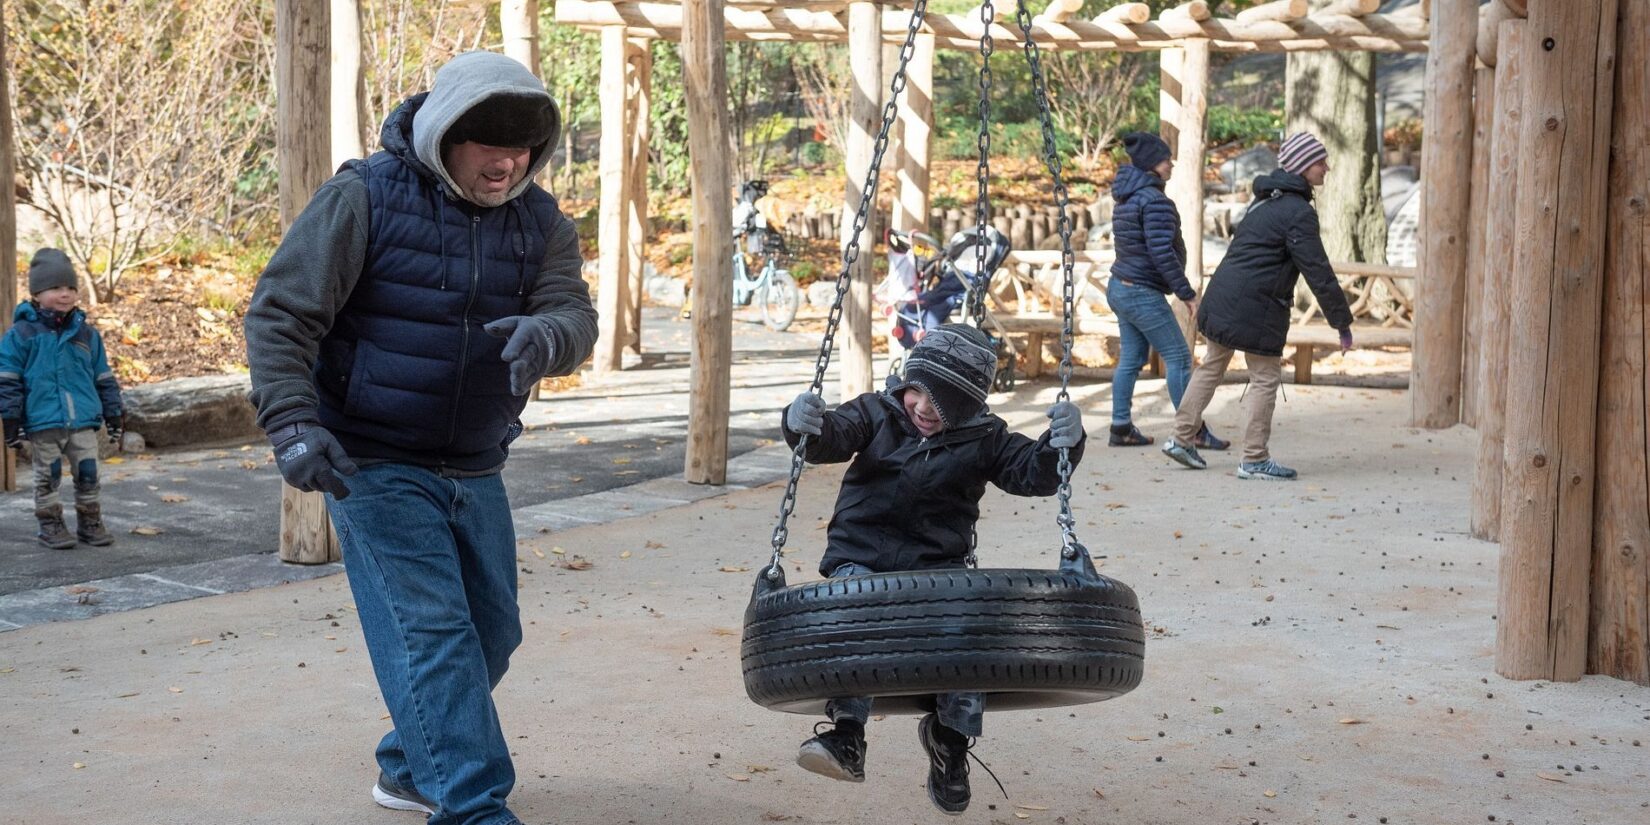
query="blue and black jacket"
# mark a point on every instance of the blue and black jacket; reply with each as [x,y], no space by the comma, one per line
[55,378]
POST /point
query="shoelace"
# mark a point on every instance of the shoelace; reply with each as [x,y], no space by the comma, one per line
[969,751]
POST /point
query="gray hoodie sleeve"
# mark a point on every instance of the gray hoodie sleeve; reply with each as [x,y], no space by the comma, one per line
[306,283]
[562,299]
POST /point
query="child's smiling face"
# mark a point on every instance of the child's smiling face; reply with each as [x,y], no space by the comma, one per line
[920,409]
[59,299]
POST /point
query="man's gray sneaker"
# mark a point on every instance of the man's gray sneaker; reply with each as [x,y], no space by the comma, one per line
[1267,470]
[1185,454]
[390,795]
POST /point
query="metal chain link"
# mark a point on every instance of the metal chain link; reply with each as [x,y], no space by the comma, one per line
[1062,198]
[982,202]
[850,254]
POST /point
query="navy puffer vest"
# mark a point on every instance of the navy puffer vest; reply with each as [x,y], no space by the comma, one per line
[406,372]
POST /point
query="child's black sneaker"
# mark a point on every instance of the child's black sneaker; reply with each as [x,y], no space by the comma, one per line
[838,753]
[390,795]
[947,765]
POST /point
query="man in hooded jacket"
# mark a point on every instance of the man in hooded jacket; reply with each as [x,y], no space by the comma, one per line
[1246,306]
[393,340]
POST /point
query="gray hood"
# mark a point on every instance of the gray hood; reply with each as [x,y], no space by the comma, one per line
[466,80]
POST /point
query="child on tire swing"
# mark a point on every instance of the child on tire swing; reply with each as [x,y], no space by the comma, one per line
[923,451]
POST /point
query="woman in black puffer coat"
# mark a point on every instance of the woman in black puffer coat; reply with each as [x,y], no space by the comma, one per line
[1246,306]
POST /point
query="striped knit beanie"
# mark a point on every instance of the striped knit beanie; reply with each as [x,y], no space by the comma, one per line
[954,364]
[1299,152]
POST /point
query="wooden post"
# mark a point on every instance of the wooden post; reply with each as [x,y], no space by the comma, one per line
[864,116]
[639,124]
[1183,108]
[1619,641]
[1552,364]
[8,230]
[613,247]
[1500,239]
[347,88]
[518,21]
[1446,172]
[705,88]
[1472,338]
[303,154]
[917,119]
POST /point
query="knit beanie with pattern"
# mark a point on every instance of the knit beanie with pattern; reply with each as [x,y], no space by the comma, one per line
[954,364]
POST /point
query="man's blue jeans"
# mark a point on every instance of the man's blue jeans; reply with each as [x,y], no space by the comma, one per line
[1145,322]
[431,561]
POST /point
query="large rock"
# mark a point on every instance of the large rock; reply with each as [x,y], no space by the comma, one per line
[201,410]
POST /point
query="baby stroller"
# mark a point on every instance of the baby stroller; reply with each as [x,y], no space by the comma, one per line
[926,284]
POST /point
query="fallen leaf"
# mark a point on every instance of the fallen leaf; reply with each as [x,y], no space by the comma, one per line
[248,464]
[174,690]
[173,498]
[739,777]
[732,569]
[625,555]
[724,631]
[577,563]
[1139,738]
[8,670]
[1550,777]
[1388,627]
[558,551]
[81,588]
[770,816]
[1032,807]
[538,552]
[340,650]
[1018,815]
[114,459]
[193,642]
[582,440]
[758,769]
[1351,721]
[1270,794]
[385,716]
[1099,793]
[128,695]
[146,531]
[79,765]
[621,460]
[653,545]
[1177,534]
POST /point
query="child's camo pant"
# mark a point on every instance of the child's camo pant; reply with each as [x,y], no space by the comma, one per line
[52,449]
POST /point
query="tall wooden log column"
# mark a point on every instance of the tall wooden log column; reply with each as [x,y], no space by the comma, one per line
[1446,174]
[8,229]
[348,84]
[613,248]
[1500,245]
[303,161]
[1472,338]
[916,138]
[705,87]
[518,21]
[864,116]
[639,122]
[1183,113]
[1619,641]
[1552,364]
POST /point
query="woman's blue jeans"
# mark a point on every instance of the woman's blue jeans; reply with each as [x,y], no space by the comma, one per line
[431,561]
[1146,322]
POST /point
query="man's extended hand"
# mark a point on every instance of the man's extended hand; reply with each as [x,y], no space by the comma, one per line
[806,415]
[528,350]
[310,459]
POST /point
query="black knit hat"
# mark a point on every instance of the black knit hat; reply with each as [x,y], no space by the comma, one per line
[954,364]
[506,120]
[1146,150]
[51,269]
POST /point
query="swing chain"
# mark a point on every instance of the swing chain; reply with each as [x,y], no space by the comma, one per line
[850,254]
[982,202]
[1062,199]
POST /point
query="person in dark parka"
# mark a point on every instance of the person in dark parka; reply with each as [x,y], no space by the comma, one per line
[1246,306]
[1151,264]
[923,452]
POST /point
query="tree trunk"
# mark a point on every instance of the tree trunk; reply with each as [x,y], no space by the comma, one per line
[1183,114]
[613,249]
[348,85]
[8,230]
[1332,95]
[705,90]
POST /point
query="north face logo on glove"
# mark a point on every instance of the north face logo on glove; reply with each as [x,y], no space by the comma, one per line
[297,450]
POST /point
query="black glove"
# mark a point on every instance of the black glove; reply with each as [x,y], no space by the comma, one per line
[116,425]
[14,433]
[310,459]
[528,350]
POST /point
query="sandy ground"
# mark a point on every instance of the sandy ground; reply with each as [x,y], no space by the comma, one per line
[1317,652]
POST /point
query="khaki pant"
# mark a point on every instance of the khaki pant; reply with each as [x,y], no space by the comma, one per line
[1265,373]
[50,451]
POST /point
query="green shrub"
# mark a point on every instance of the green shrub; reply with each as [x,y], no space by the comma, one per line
[814,153]
[1228,124]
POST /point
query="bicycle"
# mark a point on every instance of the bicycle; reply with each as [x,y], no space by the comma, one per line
[772,286]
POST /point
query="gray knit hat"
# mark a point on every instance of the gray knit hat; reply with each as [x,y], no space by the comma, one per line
[954,364]
[1299,151]
[51,269]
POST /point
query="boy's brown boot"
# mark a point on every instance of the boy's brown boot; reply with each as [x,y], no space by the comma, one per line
[53,532]
[89,525]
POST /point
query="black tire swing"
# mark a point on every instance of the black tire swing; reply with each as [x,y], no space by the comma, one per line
[1028,638]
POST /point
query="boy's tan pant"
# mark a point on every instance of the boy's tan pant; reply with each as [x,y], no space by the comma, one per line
[52,450]
[1259,400]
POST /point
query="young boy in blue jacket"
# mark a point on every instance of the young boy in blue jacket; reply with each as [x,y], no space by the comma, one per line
[56,387]
[923,451]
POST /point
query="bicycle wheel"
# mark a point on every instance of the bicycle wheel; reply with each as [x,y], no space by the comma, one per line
[780,296]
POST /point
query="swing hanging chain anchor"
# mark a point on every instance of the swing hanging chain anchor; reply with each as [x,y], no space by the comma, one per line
[1062,199]
[850,254]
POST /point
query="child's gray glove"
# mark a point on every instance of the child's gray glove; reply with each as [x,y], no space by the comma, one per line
[528,350]
[310,459]
[806,415]
[1065,426]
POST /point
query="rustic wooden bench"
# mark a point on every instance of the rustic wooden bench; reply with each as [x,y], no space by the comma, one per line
[1306,338]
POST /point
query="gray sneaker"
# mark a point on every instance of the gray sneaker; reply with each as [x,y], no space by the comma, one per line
[390,795]
[1185,454]
[1267,470]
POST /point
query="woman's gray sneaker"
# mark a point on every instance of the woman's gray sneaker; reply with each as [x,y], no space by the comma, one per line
[1185,454]
[1267,470]
[390,795]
